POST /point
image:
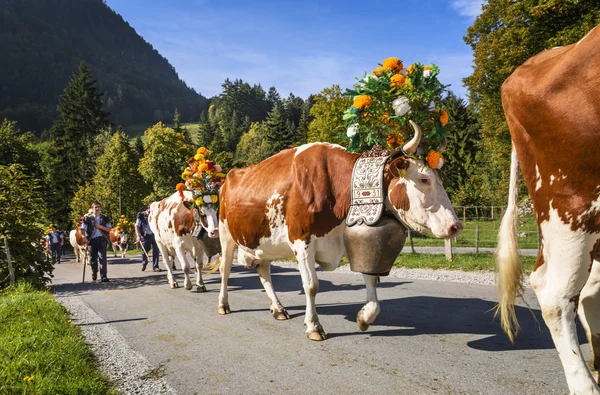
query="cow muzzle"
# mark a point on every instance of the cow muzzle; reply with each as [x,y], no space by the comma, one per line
[213,234]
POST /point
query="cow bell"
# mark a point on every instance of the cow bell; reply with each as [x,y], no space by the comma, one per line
[373,249]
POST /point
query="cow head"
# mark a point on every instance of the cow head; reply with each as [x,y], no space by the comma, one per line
[209,219]
[416,195]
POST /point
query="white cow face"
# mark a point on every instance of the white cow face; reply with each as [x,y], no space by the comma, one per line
[124,238]
[209,218]
[418,199]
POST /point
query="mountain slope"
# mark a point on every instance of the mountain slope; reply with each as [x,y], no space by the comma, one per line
[43,41]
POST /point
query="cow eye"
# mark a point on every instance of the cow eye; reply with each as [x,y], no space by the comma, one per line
[425,180]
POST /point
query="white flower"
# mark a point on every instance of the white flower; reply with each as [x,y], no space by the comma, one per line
[427,73]
[431,105]
[352,130]
[206,198]
[401,106]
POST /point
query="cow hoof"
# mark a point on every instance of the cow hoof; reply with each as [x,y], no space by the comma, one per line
[362,325]
[317,336]
[201,288]
[174,285]
[281,315]
[223,309]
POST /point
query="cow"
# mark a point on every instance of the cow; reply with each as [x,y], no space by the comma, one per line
[78,244]
[172,222]
[552,106]
[118,239]
[295,204]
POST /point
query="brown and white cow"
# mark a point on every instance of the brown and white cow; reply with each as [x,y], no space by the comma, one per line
[552,105]
[172,223]
[295,204]
[118,239]
[78,244]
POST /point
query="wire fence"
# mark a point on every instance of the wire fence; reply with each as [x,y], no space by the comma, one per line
[480,229]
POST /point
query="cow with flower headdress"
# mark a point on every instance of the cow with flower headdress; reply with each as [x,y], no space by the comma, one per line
[187,221]
[319,202]
[119,236]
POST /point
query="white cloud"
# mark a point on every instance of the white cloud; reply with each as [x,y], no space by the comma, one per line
[470,8]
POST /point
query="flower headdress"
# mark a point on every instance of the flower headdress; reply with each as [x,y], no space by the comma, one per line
[123,225]
[203,177]
[387,99]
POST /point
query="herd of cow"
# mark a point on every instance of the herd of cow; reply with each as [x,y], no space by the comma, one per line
[295,204]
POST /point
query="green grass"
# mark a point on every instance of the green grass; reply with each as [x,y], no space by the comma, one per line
[464,262]
[138,130]
[41,350]
[488,234]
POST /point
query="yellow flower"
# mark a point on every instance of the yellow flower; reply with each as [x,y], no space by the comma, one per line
[393,64]
[407,83]
[434,159]
[411,69]
[202,151]
[186,174]
[199,157]
[221,175]
[394,140]
[378,71]
[68,320]
[202,167]
[199,201]
[362,101]
[214,198]
[397,80]
[425,68]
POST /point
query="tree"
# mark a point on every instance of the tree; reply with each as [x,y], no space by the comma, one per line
[280,131]
[253,146]
[139,147]
[179,129]
[22,222]
[165,157]
[117,183]
[73,136]
[462,134]
[535,25]
[17,147]
[328,110]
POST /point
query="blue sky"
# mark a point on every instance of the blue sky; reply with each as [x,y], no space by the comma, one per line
[302,46]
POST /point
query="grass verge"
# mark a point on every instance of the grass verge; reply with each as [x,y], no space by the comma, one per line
[464,262]
[41,350]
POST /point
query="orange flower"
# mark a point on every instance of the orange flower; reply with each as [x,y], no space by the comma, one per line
[434,159]
[385,117]
[394,140]
[407,83]
[378,71]
[393,64]
[202,151]
[180,187]
[426,68]
[397,80]
[411,69]
[444,118]
[362,101]
[202,167]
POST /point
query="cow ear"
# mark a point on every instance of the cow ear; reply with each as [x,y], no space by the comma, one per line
[397,166]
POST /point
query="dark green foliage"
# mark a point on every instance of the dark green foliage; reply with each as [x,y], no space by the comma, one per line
[462,134]
[74,145]
[42,41]
[139,147]
[16,147]
[280,131]
[22,217]
[179,129]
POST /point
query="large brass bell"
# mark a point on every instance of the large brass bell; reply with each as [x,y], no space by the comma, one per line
[373,249]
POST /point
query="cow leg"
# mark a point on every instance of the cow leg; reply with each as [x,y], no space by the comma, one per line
[305,254]
[199,258]
[589,304]
[557,284]
[227,246]
[185,266]
[264,272]
[114,248]
[370,310]
[164,251]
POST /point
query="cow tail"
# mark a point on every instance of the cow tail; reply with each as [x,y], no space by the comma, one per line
[210,268]
[508,265]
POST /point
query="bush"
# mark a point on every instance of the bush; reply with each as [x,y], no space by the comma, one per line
[22,222]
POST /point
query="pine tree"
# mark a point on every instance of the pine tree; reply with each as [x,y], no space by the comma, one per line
[139,147]
[73,136]
[280,131]
[179,129]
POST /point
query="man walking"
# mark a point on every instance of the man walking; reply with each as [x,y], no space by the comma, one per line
[55,241]
[95,228]
[146,238]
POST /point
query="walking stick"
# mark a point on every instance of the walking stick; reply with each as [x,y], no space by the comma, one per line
[143,249]
[84,262]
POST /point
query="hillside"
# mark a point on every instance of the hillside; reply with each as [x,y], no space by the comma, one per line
[43,41]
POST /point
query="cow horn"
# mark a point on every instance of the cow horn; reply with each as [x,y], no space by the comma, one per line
[411,146]
[443,144]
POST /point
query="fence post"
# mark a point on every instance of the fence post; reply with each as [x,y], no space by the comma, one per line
[448,248]
[476,212]
[464,214]
[11,271]
[410,240]
[477,238]
[492,212]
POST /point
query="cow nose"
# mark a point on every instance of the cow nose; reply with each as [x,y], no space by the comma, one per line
[214,234]
[456,229]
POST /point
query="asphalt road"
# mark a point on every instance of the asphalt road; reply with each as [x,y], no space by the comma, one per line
[430,337]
